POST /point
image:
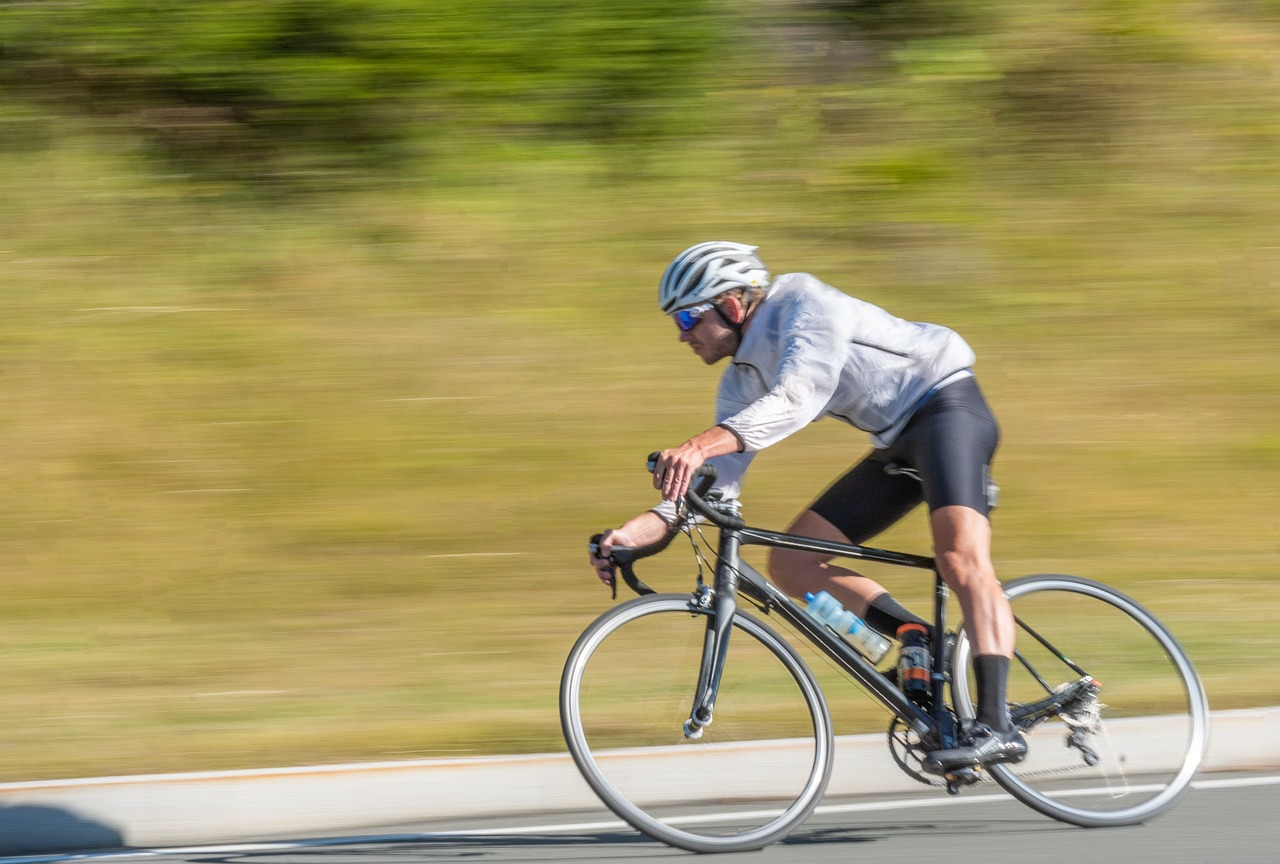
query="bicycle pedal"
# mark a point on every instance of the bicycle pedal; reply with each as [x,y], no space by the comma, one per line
[962,777]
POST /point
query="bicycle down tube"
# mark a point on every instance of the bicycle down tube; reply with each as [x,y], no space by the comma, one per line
[733,575]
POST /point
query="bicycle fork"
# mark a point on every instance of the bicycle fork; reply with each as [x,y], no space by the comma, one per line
[715,643]
[715,646]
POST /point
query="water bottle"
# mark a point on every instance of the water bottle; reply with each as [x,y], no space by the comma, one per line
[913,662]
[828,610]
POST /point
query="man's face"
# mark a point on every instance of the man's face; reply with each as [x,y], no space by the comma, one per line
[710,337]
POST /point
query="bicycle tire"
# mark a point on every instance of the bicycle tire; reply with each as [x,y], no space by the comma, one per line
[762,764]
[1152,717]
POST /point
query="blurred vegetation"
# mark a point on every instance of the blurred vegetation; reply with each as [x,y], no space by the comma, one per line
[327,332]
[289,89]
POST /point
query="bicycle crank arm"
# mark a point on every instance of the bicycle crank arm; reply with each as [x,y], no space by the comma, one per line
[962,777]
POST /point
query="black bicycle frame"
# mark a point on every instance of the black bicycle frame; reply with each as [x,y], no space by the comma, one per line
[734,576]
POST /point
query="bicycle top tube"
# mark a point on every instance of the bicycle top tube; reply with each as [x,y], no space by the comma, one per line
[760,537]
[732,524]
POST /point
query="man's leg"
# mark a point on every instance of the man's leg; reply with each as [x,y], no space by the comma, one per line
[857,506]
[962,546]
[797,573]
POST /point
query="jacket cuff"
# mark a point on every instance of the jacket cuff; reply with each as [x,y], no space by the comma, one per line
[742,444]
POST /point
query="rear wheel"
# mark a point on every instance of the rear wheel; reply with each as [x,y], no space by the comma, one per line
[758,769]
[1126,733]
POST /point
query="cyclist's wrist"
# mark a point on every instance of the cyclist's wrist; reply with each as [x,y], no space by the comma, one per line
[719,440]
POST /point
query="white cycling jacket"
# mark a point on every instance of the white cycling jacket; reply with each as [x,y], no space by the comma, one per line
[812,351]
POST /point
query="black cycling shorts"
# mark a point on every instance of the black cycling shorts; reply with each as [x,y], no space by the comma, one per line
[949,442]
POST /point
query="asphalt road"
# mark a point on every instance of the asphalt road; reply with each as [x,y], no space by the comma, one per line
[1227,817]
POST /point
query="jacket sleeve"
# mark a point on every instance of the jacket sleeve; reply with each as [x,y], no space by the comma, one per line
[806,377]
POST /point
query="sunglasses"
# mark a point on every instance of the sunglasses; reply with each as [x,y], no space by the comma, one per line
[687,319]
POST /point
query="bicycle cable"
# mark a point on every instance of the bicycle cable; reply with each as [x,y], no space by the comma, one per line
[703,556]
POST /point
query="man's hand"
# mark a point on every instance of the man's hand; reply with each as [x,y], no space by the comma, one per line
[643,530]
[608,540]
[674,470]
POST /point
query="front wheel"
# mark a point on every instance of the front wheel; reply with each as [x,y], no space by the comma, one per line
[1115,716]
[757,770]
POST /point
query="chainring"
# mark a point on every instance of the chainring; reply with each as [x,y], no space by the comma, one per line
[908,751]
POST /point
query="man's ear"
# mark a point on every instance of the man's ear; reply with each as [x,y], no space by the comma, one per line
[732,309]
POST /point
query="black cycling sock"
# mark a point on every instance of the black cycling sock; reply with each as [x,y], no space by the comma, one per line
[886,615]
[992,674]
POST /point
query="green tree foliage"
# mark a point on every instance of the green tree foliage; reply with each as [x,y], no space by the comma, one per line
[905,19]
[341,83]
[256,88]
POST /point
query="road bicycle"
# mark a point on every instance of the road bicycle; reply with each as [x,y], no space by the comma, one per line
[700,725]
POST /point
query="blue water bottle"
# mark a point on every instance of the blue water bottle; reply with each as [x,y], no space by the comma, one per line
[828,610]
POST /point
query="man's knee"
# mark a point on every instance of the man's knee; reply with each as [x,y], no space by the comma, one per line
[780,568]
[789,569]
[962,546]
[966,570]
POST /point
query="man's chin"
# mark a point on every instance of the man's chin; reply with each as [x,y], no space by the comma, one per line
[709,359]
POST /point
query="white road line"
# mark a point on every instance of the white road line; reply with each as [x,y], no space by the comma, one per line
[562,828]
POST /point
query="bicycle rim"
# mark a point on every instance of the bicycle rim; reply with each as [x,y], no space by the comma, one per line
[1145,729]
[757,771]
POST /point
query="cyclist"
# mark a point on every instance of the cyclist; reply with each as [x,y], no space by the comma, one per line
[801,350]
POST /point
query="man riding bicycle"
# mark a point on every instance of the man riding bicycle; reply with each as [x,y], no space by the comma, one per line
[801,350]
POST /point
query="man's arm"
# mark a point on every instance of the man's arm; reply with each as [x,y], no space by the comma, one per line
[642,530]
[649,527]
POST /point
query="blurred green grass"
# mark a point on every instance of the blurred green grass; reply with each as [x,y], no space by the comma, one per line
[308,480]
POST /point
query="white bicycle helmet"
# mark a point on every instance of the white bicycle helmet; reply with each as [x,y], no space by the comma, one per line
[708,270]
